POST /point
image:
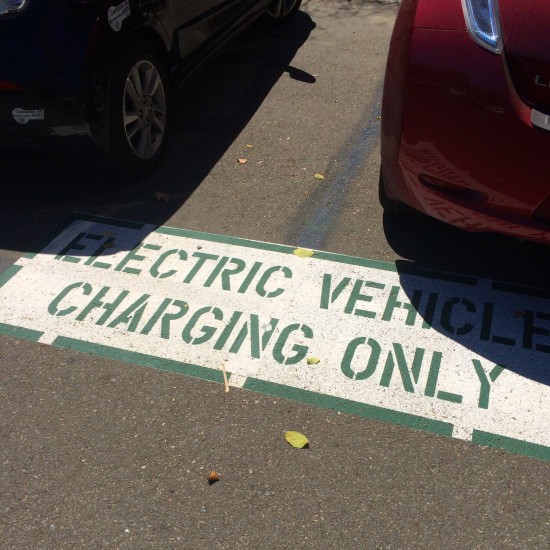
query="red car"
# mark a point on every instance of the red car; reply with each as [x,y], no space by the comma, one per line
[466,115]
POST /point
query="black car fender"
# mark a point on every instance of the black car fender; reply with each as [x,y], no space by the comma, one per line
[106,42]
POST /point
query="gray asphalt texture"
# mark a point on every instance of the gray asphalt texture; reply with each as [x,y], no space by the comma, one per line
[97,453]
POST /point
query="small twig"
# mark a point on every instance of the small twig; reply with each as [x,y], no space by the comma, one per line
[225,382]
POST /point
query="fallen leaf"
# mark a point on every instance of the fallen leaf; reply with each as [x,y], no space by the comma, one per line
[213,477]
[249,146]
[319,177]
[161,196]
[296,439]
[108,245]
[242,161]
[303,252]
[313,360]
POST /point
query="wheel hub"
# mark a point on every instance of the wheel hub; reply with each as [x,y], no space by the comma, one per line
[144,110]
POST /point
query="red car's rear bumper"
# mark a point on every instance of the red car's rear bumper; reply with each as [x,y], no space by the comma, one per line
[457,141]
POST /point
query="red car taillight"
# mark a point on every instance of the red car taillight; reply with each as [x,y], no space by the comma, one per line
[7,86]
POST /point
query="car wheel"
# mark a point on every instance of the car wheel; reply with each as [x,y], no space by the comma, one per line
[139,110]
[282,10]
[389,205]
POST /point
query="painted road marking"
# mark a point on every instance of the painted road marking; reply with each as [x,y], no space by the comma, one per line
[454,355]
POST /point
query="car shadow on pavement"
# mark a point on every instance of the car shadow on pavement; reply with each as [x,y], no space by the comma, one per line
[40,190]
[496,300]
[432,244]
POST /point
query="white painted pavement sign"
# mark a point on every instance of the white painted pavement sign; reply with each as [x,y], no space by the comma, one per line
[454,355]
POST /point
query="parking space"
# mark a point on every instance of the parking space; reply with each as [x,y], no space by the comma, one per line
[257,263]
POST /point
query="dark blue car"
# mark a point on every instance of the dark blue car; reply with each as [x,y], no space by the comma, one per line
[105,71]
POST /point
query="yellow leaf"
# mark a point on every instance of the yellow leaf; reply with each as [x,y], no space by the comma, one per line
[249,146]
[313,360]
[296,439]
[303,252]
[161,196]
[242,161]
[319,177]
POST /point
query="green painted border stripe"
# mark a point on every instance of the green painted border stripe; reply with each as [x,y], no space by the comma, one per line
[8,273]
[519,289]
[354,260]
[349,407]
[20,332]
[404,268]
[479,437]
[141,359]
[319,255]
[111,221]
[222,239]
[81,216]
[399,267]
[516,446]
[50,236]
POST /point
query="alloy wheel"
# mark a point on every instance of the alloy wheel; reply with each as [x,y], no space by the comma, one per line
[281,8]
[144,109]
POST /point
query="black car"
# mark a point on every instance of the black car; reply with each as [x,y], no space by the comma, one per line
[106,70]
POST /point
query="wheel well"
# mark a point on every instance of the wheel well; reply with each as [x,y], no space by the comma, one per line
[96,93]
[136,47]
[152,37]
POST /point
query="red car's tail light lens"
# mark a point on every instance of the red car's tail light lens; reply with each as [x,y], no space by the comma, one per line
[7,86]
[11,6]
[483,23]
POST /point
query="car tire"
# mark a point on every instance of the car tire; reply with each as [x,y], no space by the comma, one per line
[389,205]
[280,11]
[139,110]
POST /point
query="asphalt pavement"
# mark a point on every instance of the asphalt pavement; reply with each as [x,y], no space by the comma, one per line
[99,451]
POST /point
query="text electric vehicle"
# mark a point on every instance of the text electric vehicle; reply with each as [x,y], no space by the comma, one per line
[106,70]
[466,115]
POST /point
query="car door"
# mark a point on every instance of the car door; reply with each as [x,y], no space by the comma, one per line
[225,10]
[186,21]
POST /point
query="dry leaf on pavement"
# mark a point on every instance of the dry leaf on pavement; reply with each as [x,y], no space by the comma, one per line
[162,196]
[296,439]
[213,477]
